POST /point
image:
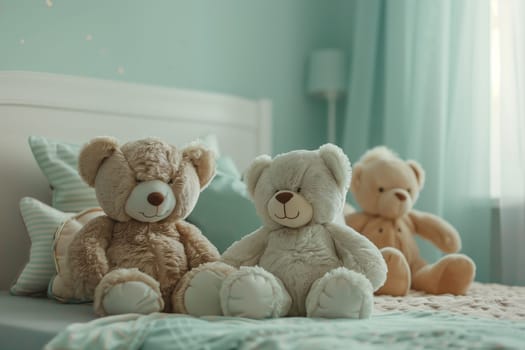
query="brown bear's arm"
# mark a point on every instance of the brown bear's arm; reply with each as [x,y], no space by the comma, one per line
[436,230]
[248,250]
[198,248]
[358,253]
[86,255]
[357,221]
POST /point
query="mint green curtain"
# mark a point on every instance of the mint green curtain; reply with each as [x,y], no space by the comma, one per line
[419,82]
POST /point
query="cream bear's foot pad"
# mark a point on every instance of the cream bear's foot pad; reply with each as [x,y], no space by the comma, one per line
[202,296]
[340,293]
[255,293]
[131,297]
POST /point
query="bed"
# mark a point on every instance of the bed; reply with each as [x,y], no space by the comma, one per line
[74,109]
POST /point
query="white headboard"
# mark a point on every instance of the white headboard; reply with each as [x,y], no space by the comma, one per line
[75,109]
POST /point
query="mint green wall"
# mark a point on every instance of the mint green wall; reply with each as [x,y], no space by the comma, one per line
[254,48]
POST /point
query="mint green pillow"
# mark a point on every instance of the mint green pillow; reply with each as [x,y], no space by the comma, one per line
[59,163]
[41,222]
[224,212]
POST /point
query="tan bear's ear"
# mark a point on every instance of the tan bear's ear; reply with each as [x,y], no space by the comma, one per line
[254,171]
[203,160]
[356,177]
[338,164]
[418,171]
[92,155]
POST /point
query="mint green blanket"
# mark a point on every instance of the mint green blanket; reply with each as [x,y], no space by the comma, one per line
[395,330]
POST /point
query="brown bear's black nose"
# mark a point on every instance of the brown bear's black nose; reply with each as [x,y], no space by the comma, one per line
[284,197]
[155,198]
[401,196]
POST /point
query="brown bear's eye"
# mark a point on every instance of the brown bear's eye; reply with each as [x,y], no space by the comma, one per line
[139,180]
[408,190]
[298,190]
[170,182]
[381,189]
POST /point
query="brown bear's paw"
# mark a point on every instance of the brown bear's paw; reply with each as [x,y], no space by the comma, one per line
[340,293]
[127,291]
[201,296]
[398,278]
[254,293]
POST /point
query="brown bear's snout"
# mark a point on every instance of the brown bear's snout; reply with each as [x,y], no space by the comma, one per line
[284,197]
[155,198]
[401,196]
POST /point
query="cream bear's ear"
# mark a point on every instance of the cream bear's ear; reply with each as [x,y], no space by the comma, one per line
[203,160]
[338,164]
[357,172]
[418,171]
[93,155]
[254,171]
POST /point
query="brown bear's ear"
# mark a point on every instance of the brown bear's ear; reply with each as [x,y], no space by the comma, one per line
[254,171]
[338,164]
[356,177]
[418,171]
[203,160]
[92,155]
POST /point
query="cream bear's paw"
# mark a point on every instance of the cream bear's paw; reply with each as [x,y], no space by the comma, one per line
[340,293]
[254,293]
[201,298]
[132,297]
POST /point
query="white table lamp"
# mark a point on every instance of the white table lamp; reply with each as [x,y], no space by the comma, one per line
[327,79]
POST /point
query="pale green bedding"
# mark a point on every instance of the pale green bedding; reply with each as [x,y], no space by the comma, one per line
[394,330]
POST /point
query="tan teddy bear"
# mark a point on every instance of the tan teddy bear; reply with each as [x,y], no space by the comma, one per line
[301,261]
[386,188]
[130,259]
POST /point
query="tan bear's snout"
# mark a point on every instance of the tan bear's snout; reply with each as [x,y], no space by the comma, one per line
[401,196]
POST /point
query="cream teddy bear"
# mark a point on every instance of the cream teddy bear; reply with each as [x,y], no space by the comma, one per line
[386,188]
[130,259]
[300,262]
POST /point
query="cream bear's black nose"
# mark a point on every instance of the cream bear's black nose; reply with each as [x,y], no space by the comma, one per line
[401,196]
[155,198]
[284,197]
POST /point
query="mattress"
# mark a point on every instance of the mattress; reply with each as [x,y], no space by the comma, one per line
[490,314]
[29,323]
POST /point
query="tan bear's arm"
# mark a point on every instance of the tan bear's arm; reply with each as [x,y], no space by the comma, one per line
[436,230]
[86,255]
[198,248]
[248,250]
[357,221]
[358,253]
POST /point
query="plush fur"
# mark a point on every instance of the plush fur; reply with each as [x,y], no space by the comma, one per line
[386,187]
[271,272]
[156,251]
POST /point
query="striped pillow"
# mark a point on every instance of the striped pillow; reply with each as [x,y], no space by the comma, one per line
[41,222]
[59,162]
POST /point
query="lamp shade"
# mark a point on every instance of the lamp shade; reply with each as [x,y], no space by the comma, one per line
[326,72]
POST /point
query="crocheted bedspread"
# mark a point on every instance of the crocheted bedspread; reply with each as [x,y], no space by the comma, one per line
[489,317]
[482,300]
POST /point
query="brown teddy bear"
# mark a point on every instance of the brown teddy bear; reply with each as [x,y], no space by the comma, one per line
[130,259]
[386,188]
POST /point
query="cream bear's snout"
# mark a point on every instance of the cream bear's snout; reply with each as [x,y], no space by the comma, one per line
[150,201]
[290,209]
